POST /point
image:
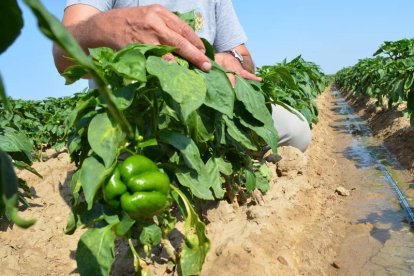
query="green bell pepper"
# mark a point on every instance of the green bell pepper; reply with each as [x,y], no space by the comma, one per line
[138,187]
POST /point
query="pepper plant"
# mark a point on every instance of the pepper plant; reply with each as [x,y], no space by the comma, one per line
[296,83]
[388,75]
[195,126]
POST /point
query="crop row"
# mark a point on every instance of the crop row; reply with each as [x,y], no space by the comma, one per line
[388,76]
[41,121]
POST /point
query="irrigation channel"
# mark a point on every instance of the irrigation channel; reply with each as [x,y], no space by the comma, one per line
[380,240]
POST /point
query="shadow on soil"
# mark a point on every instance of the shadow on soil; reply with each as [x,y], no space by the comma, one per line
[385,222]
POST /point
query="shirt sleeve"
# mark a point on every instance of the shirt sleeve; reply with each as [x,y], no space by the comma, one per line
[102,5]
[229,32]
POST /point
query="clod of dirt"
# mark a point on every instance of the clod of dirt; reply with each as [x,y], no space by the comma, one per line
[282,260]
[336,265]
[270,157]
[258,197]
[342,191]
[292,162]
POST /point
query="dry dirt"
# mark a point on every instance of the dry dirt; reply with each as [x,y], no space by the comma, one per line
[296,231]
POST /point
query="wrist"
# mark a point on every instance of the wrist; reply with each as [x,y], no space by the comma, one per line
[237,55]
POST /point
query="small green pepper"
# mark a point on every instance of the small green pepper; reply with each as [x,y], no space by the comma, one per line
[138,187]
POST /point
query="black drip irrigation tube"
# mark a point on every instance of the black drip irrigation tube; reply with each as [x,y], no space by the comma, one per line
[403,201]
[347,109]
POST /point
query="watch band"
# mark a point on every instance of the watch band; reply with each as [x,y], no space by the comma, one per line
[236,54]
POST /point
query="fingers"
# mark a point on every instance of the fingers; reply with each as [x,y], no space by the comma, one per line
[232,79]
[187,50]
[169,58]
[157,25]
[180,27]
[248,76]
[175,32]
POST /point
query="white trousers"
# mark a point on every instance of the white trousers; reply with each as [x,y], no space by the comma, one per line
[292,130]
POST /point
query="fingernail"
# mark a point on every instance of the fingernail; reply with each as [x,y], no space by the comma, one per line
[206,66]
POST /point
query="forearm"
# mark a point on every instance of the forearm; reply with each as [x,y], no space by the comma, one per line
[95,31]
[248,64]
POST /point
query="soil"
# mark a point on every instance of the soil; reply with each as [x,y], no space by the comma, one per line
[298,229]
[388,125]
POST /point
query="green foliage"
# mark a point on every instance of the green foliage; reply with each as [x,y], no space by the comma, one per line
[169,112]
[15,149]
[41,121]
[177,121]
[296,83]
[195,125]
[389,75]
[11,22]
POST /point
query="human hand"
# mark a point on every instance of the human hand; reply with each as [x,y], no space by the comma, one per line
[156,25]
[232,64]
[118,27]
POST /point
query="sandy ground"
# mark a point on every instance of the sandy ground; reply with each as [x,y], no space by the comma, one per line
[296,231]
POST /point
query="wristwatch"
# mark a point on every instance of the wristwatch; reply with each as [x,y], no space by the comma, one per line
[236,54]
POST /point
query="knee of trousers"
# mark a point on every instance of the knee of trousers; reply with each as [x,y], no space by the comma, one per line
[300,136]
[293,128]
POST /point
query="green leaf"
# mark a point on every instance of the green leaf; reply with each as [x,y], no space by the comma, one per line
[250,180]
[188,17]
[96,251]
[124,226]
[83,106]
[253,101]
[187,148]
[263,176]
[238,135]
[196,243]
[409,82]
[150,235]
[74,73]
[267,132]
[124,96]
[131,65]
[71,224]
[8,193]
[146,49]
[105,137]
[148,143]
[11,22]
[12,141]
[3,98]
[75,187]
[24,166]
[220,94]
[198,183]
[213,172]
[187,88]
[92,175]
[198,129]
[102,55]
[209,49]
